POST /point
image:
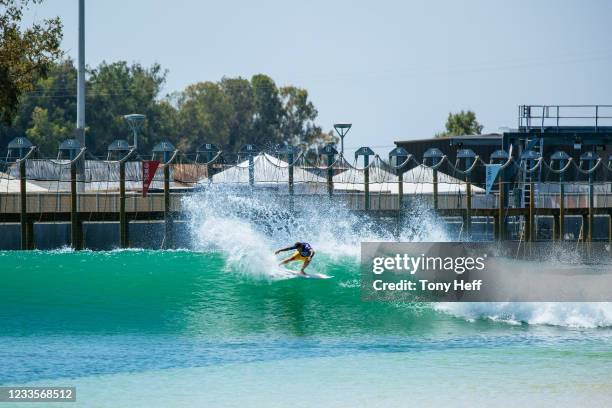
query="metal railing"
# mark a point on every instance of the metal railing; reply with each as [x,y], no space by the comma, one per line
[556,116]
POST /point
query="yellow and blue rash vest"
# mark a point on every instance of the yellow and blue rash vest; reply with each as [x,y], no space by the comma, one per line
[303,251]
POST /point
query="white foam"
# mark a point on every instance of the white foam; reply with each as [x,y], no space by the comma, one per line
[247,227]
[578,315]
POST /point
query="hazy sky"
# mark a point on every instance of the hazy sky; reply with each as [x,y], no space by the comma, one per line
[392,68]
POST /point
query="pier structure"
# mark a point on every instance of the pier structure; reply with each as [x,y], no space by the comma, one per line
[544,182]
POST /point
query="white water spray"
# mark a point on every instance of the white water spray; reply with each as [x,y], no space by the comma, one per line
[247,226]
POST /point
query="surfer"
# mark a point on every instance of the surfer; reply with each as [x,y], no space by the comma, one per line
[303,253]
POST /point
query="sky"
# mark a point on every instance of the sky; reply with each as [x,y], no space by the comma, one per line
[394,69]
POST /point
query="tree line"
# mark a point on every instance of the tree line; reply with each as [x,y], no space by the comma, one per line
[229,113]
[38,99]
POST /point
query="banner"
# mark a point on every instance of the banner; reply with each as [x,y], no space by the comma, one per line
[492,170]
[149,167]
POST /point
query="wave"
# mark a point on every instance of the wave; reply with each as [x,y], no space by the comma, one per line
[575,315]
[246,226]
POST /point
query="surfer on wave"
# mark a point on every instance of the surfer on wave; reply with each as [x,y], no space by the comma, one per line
[303,253]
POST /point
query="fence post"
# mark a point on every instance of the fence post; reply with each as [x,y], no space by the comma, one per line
[16,148]
[397,159]
[210,150]
[468,156]
[75,225]
[167,216]
[250,151]
[435,155]
[590,158]
[531,231]
[435,189]
[366,152]
[23,203]
[19,145]
[168,154]
[290,152]
[500,157]
[123,226]
[330,151]
[562,158]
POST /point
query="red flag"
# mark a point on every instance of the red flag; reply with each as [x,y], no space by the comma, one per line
[149,167]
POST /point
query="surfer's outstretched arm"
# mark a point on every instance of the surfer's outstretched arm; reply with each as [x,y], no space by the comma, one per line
[284,249]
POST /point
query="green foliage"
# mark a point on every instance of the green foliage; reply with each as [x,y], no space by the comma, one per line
[462,123]
[268,111]
[46,133]
[205,112]
[38,99]
[116,89]
[52,99]
[26,53]
[235,111]
[240,96]
[229,113]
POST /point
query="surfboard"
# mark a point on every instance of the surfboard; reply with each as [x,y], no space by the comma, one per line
[308,275]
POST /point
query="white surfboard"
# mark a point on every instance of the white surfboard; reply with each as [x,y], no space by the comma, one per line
[308,275]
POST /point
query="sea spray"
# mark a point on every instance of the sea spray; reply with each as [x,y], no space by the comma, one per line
[248,225]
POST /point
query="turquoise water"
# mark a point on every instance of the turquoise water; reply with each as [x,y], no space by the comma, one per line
[136,327]
[218,326]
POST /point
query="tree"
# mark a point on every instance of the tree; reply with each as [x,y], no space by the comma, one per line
[229,113]
[240,96]
[297,124]
[54,94]
[462,123]
[268,111]
[205,112]
[25,53]
[116,89]
[46,133]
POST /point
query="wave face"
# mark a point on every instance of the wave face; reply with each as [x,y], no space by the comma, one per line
[230,286]
[247,227]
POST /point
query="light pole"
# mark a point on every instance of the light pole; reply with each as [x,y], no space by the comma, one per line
[342,129]
[80,122]
[135,121]
[81,76]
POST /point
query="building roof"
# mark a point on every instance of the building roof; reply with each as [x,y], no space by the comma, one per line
[486,136]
